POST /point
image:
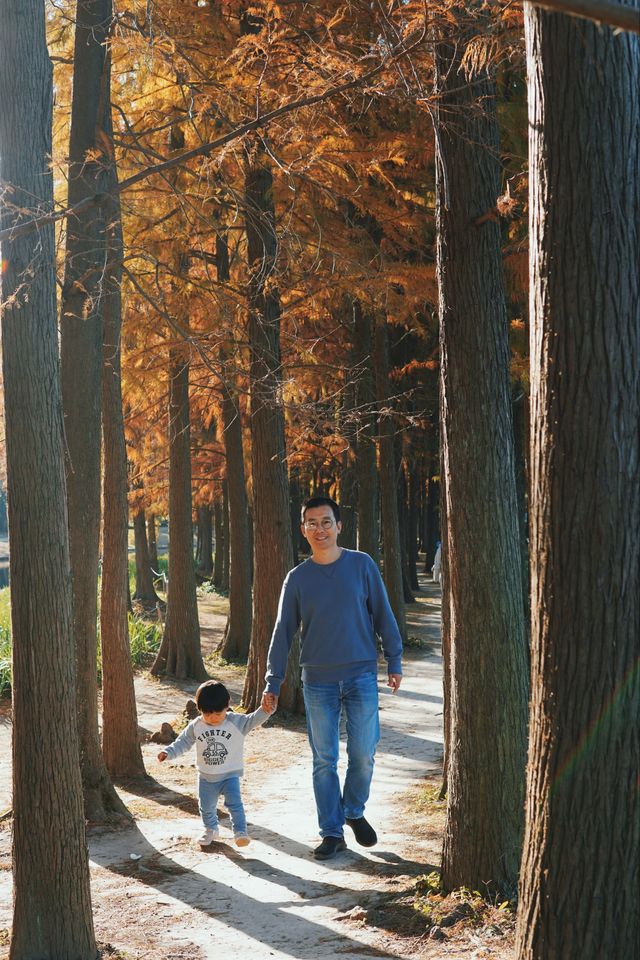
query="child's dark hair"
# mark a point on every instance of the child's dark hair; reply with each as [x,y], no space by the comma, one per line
[212,697]
[321,502]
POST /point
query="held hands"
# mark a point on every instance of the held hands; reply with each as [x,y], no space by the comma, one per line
[162,755]
[394,681]
[269,702]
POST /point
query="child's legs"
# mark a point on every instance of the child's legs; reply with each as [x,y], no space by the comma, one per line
[233,802]
[208,794]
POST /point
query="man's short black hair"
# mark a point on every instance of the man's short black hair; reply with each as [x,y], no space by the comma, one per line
[321,502]
[212,697]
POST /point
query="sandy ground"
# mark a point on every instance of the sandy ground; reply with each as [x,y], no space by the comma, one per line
[157,896]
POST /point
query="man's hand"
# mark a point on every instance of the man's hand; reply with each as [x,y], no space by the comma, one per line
[269,702]
[394,681]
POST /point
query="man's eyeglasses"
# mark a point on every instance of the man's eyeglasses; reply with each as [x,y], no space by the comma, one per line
[324,524]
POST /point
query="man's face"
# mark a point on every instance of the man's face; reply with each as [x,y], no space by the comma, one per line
[320,528]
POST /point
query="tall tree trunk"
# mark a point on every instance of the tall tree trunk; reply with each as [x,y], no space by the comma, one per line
[152,542]
[273,551]
[120,740]
[413,519]
[145,590]
[204,553]
[295,507]
[81,336]
[392,567]
[402,502]
[368,516]
[235,644]
[487,741]
[180,654]
[580,870]
[348,469]
[226,552]
[218,563]
[50,866]
[432,527]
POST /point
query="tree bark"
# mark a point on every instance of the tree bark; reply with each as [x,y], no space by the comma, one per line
[218,562]
[179,654]
[392,553]
[368,515]
[413,520]
[152,541]
[226,552]
[81,336]
[145,591]
[273,551]
[120,740]
[204,555]
[488,682]
[50,866]
[583,828]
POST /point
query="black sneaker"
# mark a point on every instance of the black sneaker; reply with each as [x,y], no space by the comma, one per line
[329,847]
[364,832]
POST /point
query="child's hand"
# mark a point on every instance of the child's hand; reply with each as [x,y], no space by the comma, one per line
[162,755]
[269,702]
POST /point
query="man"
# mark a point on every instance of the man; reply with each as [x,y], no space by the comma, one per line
[338,599]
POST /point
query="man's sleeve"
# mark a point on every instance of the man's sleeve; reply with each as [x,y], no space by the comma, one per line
[287,623]
[183,744]
[384,621]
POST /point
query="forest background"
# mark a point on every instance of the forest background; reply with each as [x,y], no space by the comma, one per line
[295,247]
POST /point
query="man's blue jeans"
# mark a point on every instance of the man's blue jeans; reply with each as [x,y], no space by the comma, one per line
[208,794]
[324,703]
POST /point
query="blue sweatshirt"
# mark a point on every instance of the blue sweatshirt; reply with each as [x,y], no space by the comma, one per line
[341,608]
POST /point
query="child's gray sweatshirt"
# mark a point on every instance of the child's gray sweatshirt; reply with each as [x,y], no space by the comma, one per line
[219,749]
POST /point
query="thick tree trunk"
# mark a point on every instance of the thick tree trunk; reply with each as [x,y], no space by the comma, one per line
[392,567]
[218,526]
[179,654]
[413,520]
[50,866]
[81,336]
[581,867]
[348,498]
[235,645]
[120,740]
[295,507]
[368,515]
[432,526]
[152,542]
[273,552]
[487,740]
[145,591]
[402,501]
[204,554]
[226,552]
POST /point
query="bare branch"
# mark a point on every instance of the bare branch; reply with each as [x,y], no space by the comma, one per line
[206,148]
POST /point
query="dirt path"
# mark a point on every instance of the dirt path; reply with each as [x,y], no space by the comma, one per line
[157,896]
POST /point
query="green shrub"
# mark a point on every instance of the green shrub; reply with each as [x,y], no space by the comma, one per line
[144,639]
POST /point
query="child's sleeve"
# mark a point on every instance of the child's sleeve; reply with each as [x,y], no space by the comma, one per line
[183,744]
[249,721]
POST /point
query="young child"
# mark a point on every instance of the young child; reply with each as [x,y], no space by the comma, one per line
[219,740]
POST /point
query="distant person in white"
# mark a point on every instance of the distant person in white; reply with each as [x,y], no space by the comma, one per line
[436,569]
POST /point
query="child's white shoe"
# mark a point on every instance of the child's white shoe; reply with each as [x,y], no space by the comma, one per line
[242,840]
[208,837]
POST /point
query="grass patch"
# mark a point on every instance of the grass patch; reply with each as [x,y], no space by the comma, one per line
[144,639]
